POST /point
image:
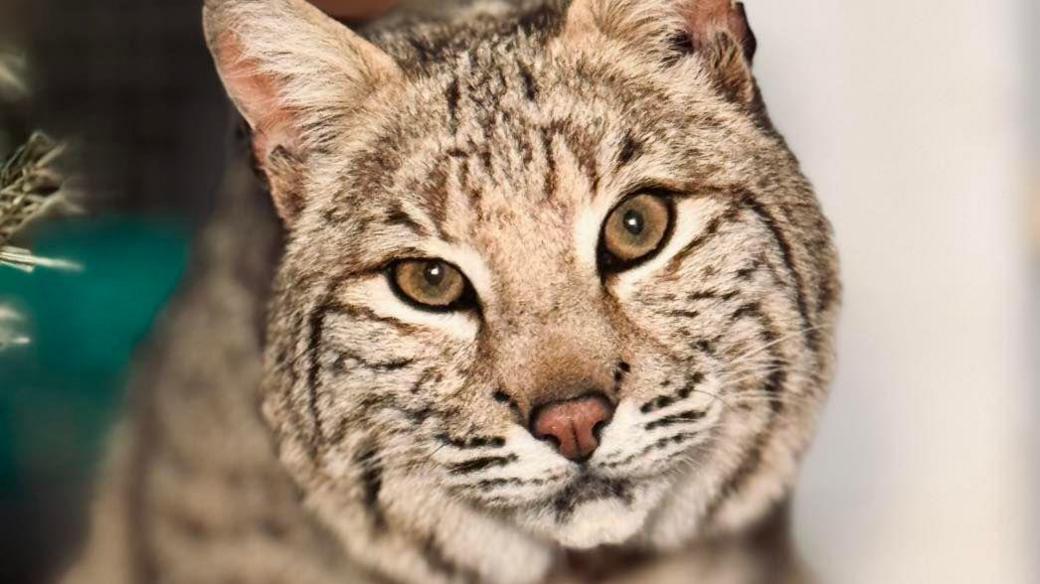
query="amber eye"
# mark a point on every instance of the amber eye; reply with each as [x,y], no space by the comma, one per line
[635,231]
[430,283]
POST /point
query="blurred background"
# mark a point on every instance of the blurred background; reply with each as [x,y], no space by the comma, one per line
[919,123]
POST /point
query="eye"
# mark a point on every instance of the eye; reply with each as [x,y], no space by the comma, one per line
[635,231]
[433,284]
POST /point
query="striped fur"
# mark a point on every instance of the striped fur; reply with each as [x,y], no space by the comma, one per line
[497,136]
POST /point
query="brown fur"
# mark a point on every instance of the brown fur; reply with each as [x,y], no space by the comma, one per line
[497,137]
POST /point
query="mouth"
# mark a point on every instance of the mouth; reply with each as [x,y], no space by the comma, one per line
[587,488]
[589,511]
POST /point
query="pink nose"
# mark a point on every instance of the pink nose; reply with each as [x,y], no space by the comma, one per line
[573,426]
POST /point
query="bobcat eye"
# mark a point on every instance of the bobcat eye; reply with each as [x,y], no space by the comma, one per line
[430,283]
[635,231]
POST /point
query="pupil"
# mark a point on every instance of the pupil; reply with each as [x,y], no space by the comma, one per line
[634,222]
[434,274]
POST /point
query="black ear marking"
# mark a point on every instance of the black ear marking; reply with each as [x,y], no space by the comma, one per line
[731,69]
[747,38]
[720,34]
[682,45]
[284,181]
[706,24]
[707,18]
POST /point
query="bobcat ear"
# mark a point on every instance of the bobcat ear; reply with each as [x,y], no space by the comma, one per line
[667,30]
[293,73]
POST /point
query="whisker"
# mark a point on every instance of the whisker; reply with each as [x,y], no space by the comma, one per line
[783,339]
[729,379]
[798,401]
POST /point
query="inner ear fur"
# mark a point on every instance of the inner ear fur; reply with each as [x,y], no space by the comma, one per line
[294,73]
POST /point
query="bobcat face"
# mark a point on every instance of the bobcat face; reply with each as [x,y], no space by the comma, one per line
[562,276]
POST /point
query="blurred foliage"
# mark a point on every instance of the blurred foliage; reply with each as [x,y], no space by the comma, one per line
[29,186]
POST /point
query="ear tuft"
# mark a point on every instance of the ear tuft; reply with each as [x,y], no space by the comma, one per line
[294,74]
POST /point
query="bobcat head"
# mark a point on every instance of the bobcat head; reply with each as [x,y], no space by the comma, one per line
[551,274]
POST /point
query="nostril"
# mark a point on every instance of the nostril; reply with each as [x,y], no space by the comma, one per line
[552,440]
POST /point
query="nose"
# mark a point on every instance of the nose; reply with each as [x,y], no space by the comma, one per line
[573,426]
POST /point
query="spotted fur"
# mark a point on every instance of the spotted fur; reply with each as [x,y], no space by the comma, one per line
[394,444]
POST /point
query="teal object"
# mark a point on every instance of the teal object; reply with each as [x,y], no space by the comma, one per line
[60,393]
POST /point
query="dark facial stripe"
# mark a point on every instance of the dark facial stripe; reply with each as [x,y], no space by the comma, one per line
[550,163]
[658,403]
[687,389]
[702,295]
[366,409]
[530,85]
[675,419]
[428,374]
[661,444]
[472,443]
[340,364]
[372,484]
[753,310]
[434,195]
[748,273]
[786,253]
[396,215]
[774,384]
[581,146]
[452,96]
[630,151]
[336,308]
[463,177]
[316,323]
[748,201]
[479,464]
[489,484]
[731,214]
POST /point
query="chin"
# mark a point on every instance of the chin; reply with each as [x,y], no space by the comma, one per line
[593,513]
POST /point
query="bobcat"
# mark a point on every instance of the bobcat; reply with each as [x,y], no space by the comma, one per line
[542,297]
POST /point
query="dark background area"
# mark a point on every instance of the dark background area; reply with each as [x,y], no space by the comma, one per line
[130,84]
[133,83]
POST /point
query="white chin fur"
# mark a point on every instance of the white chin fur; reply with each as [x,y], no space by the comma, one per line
[592,524]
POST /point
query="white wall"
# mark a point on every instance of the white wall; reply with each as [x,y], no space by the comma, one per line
[910,118]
